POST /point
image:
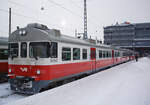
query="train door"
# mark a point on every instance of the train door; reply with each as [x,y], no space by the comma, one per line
[93,58]
[113,57]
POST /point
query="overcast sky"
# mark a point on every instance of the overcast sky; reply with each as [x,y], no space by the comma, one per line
[67,15]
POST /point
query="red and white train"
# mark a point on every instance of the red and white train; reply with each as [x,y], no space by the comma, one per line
[40,56]
[3,58]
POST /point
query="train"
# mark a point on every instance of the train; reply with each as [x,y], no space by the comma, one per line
[40,56]
[3,59]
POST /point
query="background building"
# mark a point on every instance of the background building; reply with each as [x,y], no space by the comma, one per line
[133,36]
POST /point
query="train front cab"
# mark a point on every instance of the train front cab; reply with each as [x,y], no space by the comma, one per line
[28,70]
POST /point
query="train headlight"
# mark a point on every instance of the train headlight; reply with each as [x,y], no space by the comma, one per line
[22,32]
[38,72]
[9,70]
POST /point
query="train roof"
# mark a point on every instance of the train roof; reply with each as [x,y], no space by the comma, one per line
[39,32]
[3,41]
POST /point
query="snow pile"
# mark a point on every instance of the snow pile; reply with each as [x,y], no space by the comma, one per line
[126,84]
[6,95]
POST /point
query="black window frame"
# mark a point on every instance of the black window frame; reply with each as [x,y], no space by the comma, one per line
[100,53]
[84,54]
[76,56]
[35,56]
[13,47]
[65,53]
[23,52]
[54,50]
[104,54]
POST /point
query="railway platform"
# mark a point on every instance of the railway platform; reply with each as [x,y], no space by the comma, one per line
[125,84]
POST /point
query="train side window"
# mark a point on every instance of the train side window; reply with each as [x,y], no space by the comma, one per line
[104,54]
[118,54]
[110,55]
[66,54]
[107,54]
[3,54]
[23,49]
[84,53]
[100,54]
[76,54]
[54,50]
[115,54]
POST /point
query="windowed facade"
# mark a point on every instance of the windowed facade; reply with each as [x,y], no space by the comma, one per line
[84,53]
[39,49]
[54,50]
[76,53]
[23,49]
[130,36]
[66,54]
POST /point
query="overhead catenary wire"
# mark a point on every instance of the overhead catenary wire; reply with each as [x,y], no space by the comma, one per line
[54,3]
[18,14]
[24,6]
[91,20]
[61,6]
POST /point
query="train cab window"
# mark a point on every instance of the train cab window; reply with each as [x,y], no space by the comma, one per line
[13,50]
[39,49]
[76,54]
[3,54]
[53,50]
[23,49]
[100,54]
[66,54]
[84,53]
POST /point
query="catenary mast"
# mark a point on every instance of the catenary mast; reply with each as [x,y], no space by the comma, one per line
[85,21]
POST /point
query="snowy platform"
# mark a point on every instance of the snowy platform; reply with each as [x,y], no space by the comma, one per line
[126,84]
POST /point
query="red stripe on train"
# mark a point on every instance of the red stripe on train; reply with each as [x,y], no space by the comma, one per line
[50,72]
[3,67]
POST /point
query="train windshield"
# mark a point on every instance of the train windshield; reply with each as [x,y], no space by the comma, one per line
[3,54]
[13,50]
[39,49]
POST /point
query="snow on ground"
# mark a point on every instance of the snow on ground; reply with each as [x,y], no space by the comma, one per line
[4,89]
[126,84]
[6,95]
